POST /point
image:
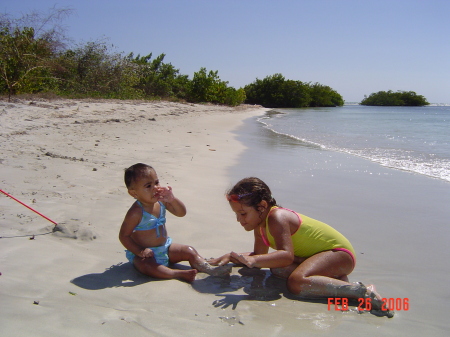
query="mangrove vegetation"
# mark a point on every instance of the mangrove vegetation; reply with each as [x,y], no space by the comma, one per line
[390,98]
[35,58]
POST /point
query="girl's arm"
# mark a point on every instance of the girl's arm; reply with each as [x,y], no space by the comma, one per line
[173,205]
[224,259]
[282,257]
[259,248]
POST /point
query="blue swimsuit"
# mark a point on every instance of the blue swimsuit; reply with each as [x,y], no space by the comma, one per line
[149,221]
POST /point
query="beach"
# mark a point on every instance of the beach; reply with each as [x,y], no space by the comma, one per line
[65,158]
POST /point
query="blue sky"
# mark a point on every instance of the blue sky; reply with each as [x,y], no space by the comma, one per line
[357,47]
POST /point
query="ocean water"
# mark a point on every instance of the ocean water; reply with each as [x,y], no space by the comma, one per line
[415,139]
[380,176]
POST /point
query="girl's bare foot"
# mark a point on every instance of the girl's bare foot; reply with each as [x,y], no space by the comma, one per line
[377,303]
[220,270]
[205,267]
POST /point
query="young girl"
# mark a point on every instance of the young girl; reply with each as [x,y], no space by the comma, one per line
[144,234]
[313,257]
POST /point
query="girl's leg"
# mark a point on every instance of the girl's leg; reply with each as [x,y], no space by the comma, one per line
[178,253]
[150,267]
[324,275]
[285,272]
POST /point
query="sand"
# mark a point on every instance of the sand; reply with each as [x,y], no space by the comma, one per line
[65,158]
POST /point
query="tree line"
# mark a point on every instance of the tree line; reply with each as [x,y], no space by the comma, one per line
[276,92]
[390,98]
[35,59]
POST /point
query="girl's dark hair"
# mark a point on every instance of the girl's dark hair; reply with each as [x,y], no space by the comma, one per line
[134,172]
[251,191]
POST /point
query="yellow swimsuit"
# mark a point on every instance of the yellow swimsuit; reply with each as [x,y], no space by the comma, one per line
[311,237]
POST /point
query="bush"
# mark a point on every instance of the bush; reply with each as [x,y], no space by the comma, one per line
[324,96]
[390,98]
[92,71]
[23,60]
[159,79]
[276,92]
[208,87]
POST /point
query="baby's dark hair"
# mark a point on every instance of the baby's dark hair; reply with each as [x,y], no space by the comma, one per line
[134,172]
[250,192]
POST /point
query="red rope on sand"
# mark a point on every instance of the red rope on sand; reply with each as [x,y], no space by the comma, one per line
[20,202]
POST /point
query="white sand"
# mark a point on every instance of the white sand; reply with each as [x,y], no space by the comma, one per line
[65,158]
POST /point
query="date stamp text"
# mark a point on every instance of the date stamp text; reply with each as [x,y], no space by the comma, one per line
[388,304]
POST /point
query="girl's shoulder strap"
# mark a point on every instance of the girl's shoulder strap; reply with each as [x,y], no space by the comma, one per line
[265,232]
[286,209]
[270,211]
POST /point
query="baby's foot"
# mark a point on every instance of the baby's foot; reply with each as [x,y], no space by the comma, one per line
[186,275]
[205,267]
[377,303]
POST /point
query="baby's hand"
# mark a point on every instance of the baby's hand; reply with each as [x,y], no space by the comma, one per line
[147,252]
[165,194]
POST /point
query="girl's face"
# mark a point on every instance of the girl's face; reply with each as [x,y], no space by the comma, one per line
[248,216]
[145,189]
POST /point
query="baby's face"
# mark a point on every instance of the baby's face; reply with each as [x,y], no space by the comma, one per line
[145,188]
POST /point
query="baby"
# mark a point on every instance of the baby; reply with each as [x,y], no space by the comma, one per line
[144,233]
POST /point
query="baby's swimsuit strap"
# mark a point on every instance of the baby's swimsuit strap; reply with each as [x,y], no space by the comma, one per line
[149,221]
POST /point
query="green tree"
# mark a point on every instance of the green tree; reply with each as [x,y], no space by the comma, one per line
[234,97]
[390,98]
[322,95]
[27,45]
[204,86]
[34,57]
[208,87]
[296,94]
[23,61]
[159,79]
[46,26]
[410,98]
[276,92]
[267,92]
[91,70]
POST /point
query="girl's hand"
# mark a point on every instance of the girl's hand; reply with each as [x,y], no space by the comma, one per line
[247,260]
[165,194]
[146,253]
[220,261]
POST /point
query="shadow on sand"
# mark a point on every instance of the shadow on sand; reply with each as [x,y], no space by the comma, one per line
[257,284]
[118,275]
